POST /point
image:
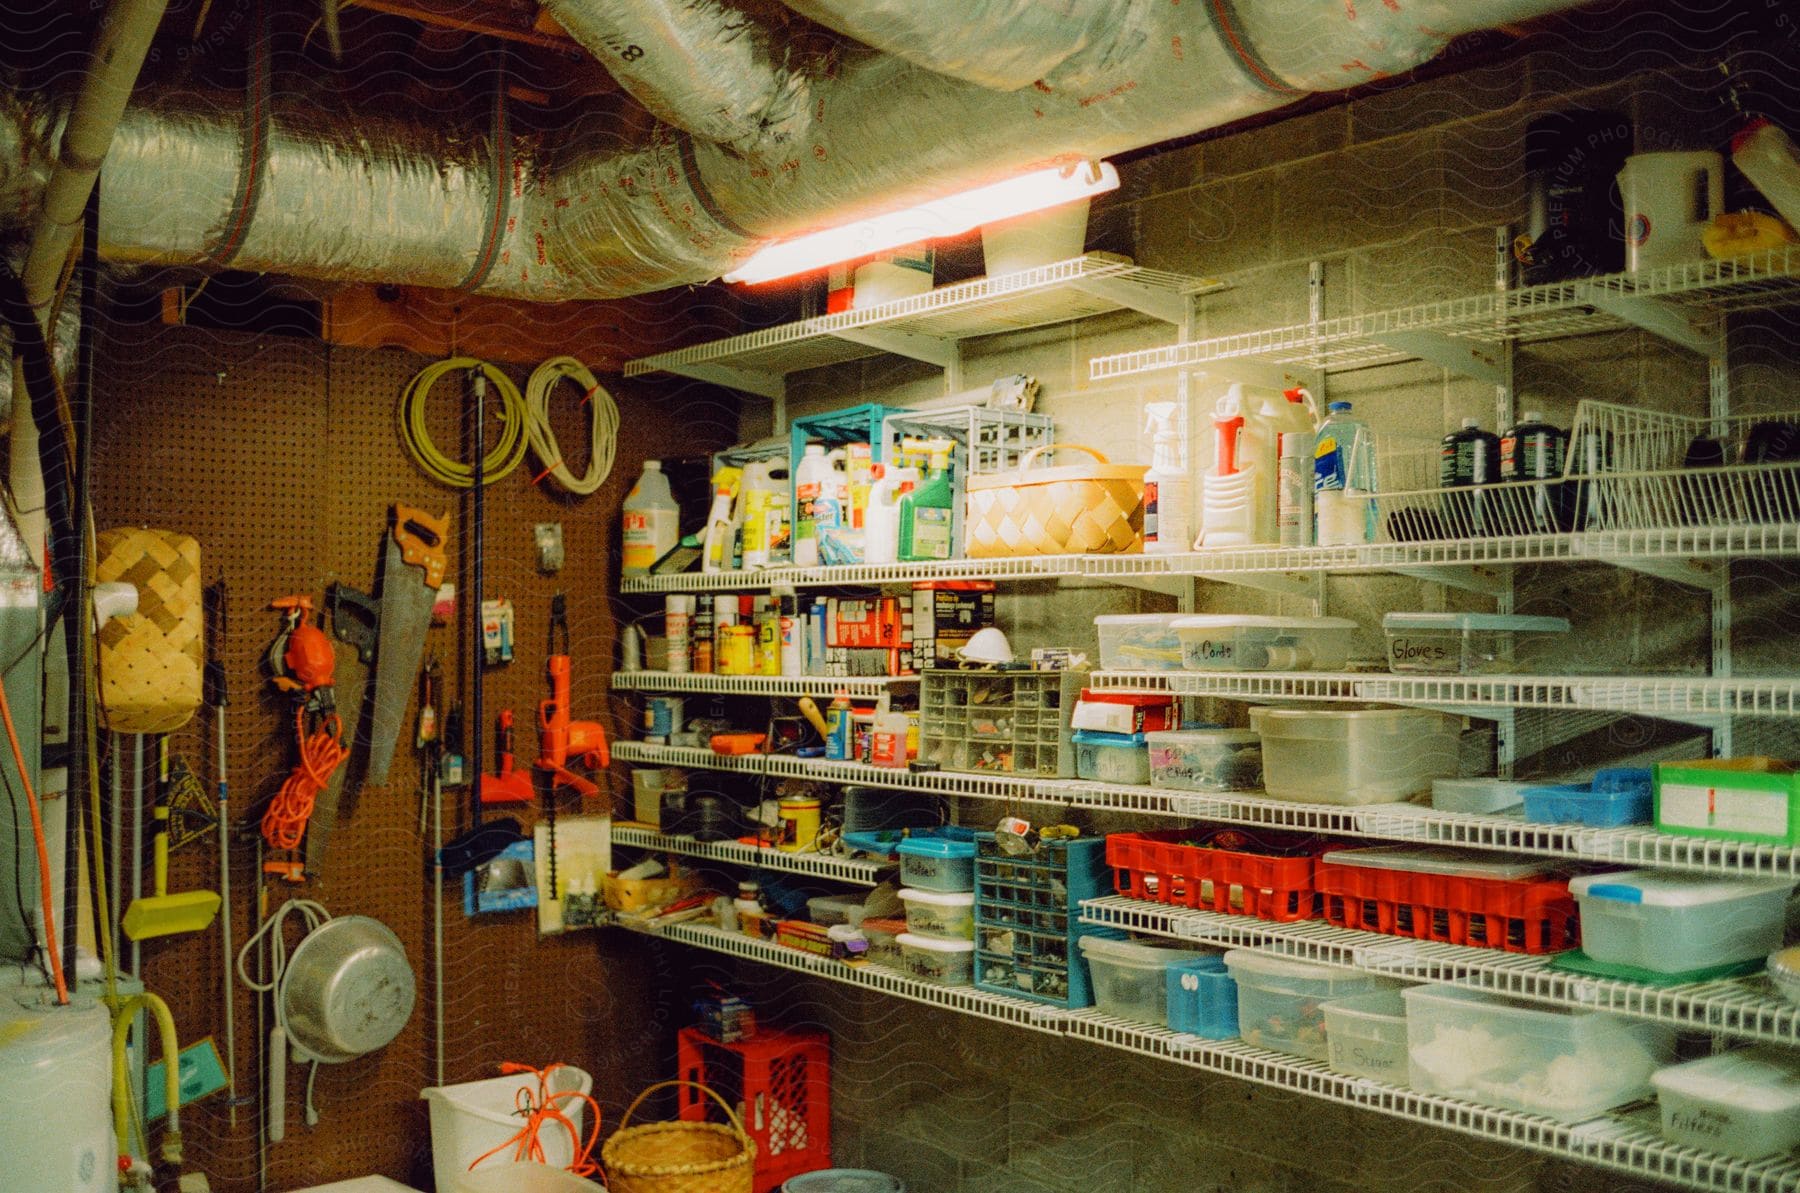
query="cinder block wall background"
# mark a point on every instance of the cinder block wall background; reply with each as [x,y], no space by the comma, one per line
[1399,195]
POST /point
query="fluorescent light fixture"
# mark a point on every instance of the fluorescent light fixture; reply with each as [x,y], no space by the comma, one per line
[950,216]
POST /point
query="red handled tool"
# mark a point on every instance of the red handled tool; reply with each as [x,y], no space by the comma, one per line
[511,785]
[559,738]
[303,664]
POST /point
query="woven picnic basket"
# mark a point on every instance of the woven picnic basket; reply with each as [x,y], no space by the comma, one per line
[1094,507]
[679,1157]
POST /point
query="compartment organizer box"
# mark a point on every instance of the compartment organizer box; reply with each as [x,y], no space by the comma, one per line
[1011,722]
[1028,918]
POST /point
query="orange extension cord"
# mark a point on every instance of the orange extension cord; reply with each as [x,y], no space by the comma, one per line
[43,855]
[321,753]
[546,1107]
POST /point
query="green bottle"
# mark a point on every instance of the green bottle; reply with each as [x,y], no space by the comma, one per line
[927,513]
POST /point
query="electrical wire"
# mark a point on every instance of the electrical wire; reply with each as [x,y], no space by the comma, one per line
[269,981]
[321,753]
[506,453]
[603,424]
[539,1109]
[45,892]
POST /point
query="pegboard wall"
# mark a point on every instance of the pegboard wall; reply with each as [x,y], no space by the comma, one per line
[282,456]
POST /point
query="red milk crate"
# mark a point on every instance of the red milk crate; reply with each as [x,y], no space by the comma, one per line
[1449,898]
[779,1081]
[1266,875]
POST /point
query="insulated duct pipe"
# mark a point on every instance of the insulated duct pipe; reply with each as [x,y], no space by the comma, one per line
[699,65]
[355,199]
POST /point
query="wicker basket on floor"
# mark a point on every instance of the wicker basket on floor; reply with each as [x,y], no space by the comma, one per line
[679,1157]
[1091,508]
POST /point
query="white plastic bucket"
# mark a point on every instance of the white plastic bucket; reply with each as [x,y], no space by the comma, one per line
[1669,200]
[524,1178]
[1041,238]
[473,1118]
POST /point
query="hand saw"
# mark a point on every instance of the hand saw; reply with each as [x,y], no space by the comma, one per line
[410,575]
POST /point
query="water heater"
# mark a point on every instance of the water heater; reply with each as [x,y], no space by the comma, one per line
[55,1084]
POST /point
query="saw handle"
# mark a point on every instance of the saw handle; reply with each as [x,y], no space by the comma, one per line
[355,618]
[421,539]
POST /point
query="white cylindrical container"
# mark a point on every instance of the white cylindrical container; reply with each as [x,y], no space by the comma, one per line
[1669,200]
[678,628]
[1294,490]
[55,1079]
[1769,158]
[652,521]
[793,640]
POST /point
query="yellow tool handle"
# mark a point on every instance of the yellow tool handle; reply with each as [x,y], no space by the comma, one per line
[811,711]
[421,538]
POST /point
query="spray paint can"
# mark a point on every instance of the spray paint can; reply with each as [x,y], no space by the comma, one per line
[1294,489]
[678,626]
[703,635]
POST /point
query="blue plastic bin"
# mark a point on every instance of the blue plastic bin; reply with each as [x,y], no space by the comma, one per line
[1203,999]
[1028,919]
[937,864]
[1112,757]
[885,842]
[1617,796]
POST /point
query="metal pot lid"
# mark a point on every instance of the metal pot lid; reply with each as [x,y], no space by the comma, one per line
[347,990]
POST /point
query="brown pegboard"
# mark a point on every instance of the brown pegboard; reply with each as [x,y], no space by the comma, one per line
[281,456]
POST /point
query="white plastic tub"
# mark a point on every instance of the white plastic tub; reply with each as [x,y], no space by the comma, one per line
[1112,757]
[1139,641]
[1566,1064]
[1035,239]
[935,864]
[1242,642]
[1355,756]
[946,962]
[1129,978]
[475,1117]
[1744,1104]
[1460,643]
[1366,1036]
[1281,1001]
[883,936]
[1483,796]
[947,915]
[525,1178]
[1206,759]
[1672,922]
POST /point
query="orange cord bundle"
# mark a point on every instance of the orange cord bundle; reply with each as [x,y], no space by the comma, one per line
[321,753]
[546,1107]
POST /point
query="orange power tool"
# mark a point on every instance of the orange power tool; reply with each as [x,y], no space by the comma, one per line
[511,785]
[559,738]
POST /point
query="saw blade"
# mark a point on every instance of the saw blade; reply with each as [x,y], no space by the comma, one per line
[411,573]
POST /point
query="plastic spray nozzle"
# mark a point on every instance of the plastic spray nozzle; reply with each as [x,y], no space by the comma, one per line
[1228,430]
[726,481]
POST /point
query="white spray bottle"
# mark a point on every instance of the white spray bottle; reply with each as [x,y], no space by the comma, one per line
[719,552]
[1168,491]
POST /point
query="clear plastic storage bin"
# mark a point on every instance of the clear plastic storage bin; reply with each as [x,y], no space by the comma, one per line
[1206,759]
[934,864]
[1112,757]
[1565,1064]
[1355,756]
[1483,796]
[1281,1001]
[947,915]
[1244,642]
[1366,1036]
[836,909]
[1671,922]
[1459,643]
[884,941]
[1139,641]
[1744,1104]
[930,959]
[1130,979]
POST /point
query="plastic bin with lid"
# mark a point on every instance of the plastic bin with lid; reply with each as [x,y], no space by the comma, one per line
[933,959]
[1365,1036]
[1480,796]
[836,909]
[1744,1104]
[1112,757]
[1202,998]
[1249,642]
[1754,799]
[1449,896]
[1130,978]
[1617,796]
[1566,1064]
[1205,759]
[883,936]
[1355,756]
[1673,922]
[1139,641]
[947,915]
[1462,643]
[936,864]
[1281,1000]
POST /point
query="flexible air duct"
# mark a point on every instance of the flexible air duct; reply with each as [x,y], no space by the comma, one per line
[360,199]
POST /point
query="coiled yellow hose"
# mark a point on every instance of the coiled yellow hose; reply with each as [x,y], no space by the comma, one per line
[514,417]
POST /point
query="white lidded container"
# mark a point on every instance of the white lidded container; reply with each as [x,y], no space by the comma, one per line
[1139,641]
[1673,922]
[1457,643]
[931,959]
[826,910]
[1129,978]
[1566,1064]
[1245,642]
[1281,1000]
[1112,757]
[1355,756]
[1744,1104]
[1205,759]
[1483,796]
[947,915]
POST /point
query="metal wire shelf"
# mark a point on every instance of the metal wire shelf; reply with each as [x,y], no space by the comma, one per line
[755,685]
[813,865]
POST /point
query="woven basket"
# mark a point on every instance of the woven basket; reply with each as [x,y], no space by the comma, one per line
[150,662]
[679,1157]
[1091,508]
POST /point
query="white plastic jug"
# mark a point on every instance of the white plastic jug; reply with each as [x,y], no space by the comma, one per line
[652,521]
[1238,493]
[821,488]
[767,533]
[1669,200]
[473,1118]
[881,522]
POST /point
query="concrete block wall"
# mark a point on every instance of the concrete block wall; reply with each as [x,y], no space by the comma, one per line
[1399,196]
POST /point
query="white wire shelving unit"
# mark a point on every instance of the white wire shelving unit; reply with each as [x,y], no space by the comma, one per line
[1748,1008]
[755,685]
[763,857]
[1038,567]
[1632,846]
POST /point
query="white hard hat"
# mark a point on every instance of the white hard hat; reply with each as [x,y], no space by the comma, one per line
[987,646]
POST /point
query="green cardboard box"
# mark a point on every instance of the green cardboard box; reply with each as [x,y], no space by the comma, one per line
[1733,799]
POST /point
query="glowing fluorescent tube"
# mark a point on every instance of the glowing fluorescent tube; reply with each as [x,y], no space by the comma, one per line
[950,216]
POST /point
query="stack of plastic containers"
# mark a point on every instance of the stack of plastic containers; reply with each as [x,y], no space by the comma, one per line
[1028,918]
[1281,1000]
[1131,979]
[1355,756]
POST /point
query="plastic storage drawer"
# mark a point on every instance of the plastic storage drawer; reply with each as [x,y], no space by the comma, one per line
[1355,756]
[1266,875]
[1028,918]
[932,864]
[1673,923]
[947,915]
[1131,980]
[1112,757]
[1567,1065]
[1206,760]
[1744,1104]
[1139,641]
[1459,643]
[1202,998]
[1281,1001]
[1365,1036]
[1448,896]
[1243,642]
[1616,797]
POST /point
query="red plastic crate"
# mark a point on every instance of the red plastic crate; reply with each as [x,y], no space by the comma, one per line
[1269,876]
[780,1081]
[1514,915]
